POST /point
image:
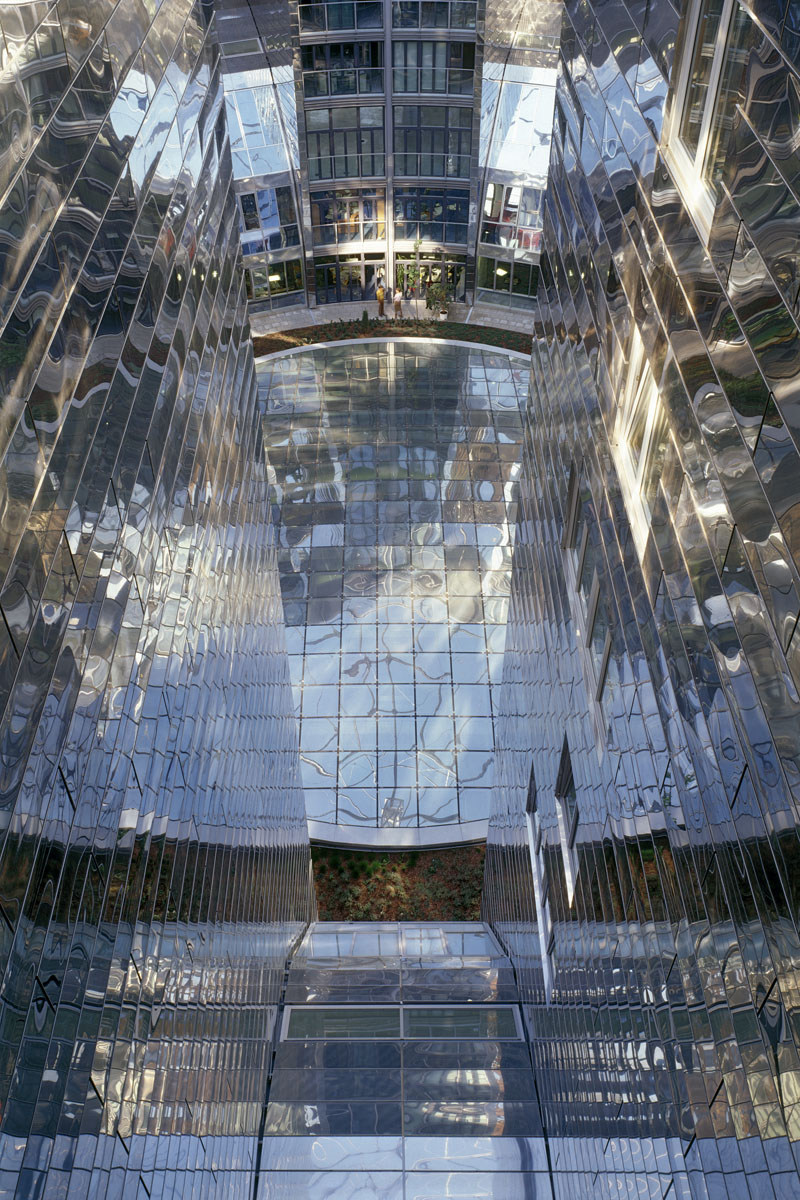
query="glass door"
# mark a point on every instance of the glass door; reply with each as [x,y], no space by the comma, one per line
[325,278]
[456,281]
[351,281]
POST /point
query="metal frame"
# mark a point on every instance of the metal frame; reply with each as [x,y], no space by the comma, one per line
[689,170]
[401,1008]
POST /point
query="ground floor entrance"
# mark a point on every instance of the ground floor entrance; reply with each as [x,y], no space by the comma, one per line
[415,274]
[348,278]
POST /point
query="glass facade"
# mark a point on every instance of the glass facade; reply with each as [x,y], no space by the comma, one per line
[402,1072]
[187,536]
[153,853]
[393,471]
[403,102]
[643,853]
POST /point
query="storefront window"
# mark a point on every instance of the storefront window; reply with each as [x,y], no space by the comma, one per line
[414,274]
[348,278]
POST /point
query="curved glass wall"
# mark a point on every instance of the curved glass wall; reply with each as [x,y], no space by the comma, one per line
[154,863]
[393,469]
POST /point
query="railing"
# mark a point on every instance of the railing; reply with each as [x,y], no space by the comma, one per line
[363,14]
[366,231]
[431,231]
[453,81]
[350,81]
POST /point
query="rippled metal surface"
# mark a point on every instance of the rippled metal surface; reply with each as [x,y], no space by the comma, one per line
[153,851]
[403,1116]
[393,469]
[649,902]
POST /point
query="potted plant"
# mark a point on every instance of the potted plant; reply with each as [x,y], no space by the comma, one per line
[436,300]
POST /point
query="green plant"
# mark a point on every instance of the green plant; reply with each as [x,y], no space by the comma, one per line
[365,319]
[411,271]
[436,297]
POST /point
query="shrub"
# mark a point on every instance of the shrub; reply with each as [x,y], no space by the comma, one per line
[436,297]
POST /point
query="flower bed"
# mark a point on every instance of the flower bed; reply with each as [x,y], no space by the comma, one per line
[339,331]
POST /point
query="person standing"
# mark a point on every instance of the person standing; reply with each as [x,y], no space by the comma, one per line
[380,296]
[398,303]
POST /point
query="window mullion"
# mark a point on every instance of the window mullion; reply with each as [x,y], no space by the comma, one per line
[712,94]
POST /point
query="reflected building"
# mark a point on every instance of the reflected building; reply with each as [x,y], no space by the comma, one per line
[392,141]
[643,857]
[154,858]
[516,119]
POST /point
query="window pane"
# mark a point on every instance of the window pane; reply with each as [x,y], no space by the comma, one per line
[521,279]
[459,1023]
[405,15]
[294,275]
[344,1022]
[345,118]
[369,15]
[700,74]
[277,278]
[503,277]
[744,34]
[485,272]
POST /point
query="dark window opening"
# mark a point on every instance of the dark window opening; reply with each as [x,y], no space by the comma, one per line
[566,793]
[531,803]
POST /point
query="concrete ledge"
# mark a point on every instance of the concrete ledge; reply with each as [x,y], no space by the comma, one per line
[358,837]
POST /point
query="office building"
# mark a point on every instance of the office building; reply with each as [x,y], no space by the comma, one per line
[173,1020]
[396,142]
